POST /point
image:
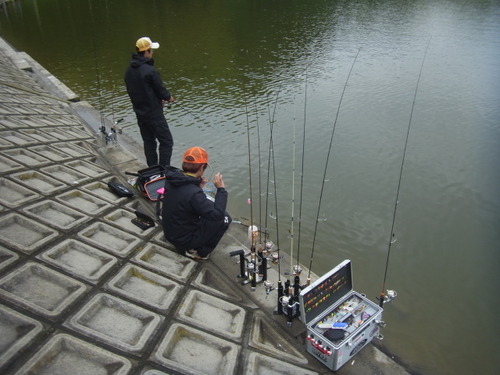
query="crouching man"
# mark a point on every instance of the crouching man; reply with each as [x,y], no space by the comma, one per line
[193,223]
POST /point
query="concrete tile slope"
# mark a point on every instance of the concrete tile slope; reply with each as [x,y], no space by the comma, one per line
[83,290]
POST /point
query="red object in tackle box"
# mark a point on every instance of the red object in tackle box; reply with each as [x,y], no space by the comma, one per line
[339,321]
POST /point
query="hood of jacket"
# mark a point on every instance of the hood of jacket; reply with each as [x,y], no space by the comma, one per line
[138,60]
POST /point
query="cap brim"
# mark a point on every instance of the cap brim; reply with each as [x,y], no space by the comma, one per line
[155,45]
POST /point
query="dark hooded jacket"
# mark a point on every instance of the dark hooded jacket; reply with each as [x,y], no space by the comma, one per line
[185,206]
[145,88]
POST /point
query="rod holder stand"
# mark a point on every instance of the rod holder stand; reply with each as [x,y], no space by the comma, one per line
[241,254]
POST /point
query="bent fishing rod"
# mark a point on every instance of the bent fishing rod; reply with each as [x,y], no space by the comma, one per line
[191,113]
[297,269]
[390,294]
[326,165]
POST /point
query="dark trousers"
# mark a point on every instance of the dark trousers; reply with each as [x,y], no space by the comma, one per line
[210,234]
[152,130]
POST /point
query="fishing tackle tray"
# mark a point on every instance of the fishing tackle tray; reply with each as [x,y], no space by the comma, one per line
[149,180]
[339,321]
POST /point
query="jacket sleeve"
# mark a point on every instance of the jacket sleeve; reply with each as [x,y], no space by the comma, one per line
[208,209]
[158,87]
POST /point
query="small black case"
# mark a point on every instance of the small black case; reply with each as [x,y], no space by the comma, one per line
[143,221]
[119,189]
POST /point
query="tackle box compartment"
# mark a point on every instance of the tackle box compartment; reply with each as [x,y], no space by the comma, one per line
[339,321]
[149,180]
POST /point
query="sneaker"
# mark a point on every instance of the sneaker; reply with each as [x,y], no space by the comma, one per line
[193,254]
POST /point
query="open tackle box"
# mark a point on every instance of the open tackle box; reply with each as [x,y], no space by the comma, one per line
[339,321]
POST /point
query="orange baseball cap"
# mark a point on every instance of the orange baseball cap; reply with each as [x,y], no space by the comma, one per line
[195,155]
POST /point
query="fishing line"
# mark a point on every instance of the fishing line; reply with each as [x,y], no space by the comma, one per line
[112,82]
[271,122]
[196,117]
[271,156]
[276,202]
[251,231]
[392,238]
[259,170]
[293,198]
[326,164]
[302,171]
[94,47]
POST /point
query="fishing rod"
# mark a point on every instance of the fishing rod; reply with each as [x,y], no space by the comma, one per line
[253,266]
[271,157]
[252,229]
[326,165]
[266,232]
[191,113]
[283,299]
[292,213]
[98,76]
[288,294]
[297,269]
[259,169]
[389,295]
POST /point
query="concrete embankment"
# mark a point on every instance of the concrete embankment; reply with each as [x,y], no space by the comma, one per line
[83,290]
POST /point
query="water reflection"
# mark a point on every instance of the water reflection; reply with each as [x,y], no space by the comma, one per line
[226,61]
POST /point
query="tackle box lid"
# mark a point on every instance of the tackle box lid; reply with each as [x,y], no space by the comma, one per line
[325,292]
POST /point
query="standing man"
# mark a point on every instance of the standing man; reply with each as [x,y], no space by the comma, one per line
[193,223]
[148,95]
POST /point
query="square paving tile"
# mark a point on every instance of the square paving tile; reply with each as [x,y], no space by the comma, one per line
[26,157]
[65,354]
[7,257]
[14,195]
[17,332]
[83,202]
[24,234]
[9,165]
[39,182]
[145,287]
[257,364]
[116,322]
[71,148]
[79,259]
[88,168]
[165,261]
[56,214]
[50,153]
[76,131]
[123,219]
[66,175]
[191,351]
[38,135]
[154,372]
[213,314]
[109,238]
[101,190]
[17,138]
[40,289]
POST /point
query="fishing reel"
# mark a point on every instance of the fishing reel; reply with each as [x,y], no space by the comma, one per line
[288,301]
[111,136]
[297,270]
[268,286]
[390,295]
[253,268]
[387,297]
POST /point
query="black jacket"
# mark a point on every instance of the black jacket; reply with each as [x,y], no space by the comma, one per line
[185,206]
[145,88]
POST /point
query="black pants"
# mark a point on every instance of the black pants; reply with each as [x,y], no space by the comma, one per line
[152,130]
[206,237]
